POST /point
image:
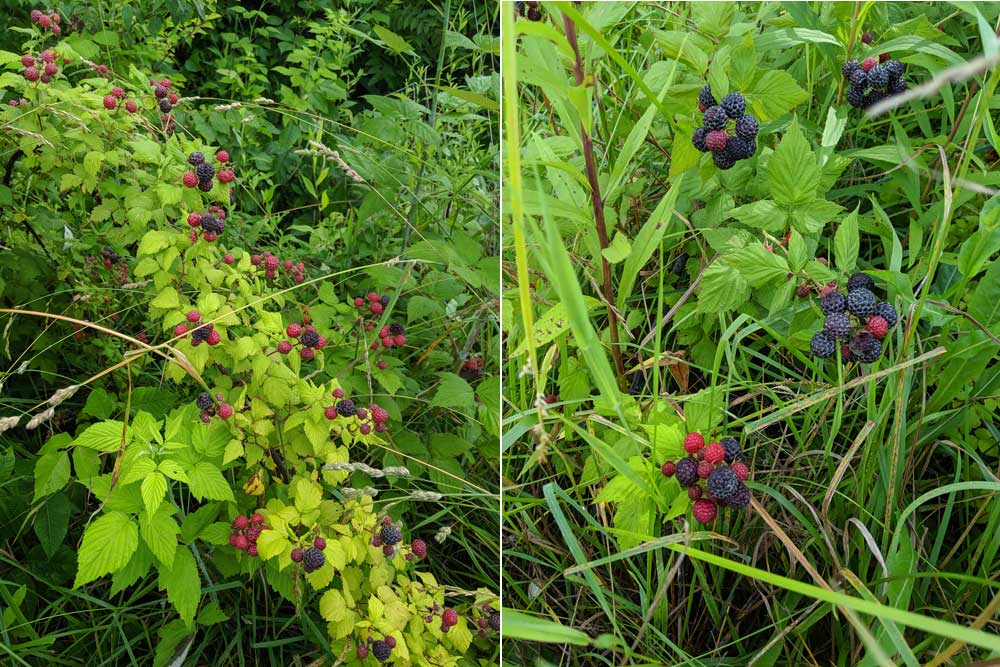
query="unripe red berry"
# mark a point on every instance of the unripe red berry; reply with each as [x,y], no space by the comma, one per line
[255,260]
[390,642]
[193,316]
[180,329]
[228,259]
[319,543]
[31,74]
[190,179]
[715,453]
[194,219]
[704,511]
[110,102]
[44,21]
[242,542]
[388,550]
[222,156]
[227,176]
[213,338]
[225,411]
[338,393]
[694,492]
[117,91]
[330,412]
[27,60]
[376,308]
[296,556]
[693,442]
[399,340]
[362,651]
[365,429]
[704,469]
[381,364]
[668,468]
[358,302]
[741,470]
[306,353]
[241,522]
[51,69]
[449,617]
[372,296]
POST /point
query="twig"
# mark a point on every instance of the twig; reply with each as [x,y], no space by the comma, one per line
[597,203]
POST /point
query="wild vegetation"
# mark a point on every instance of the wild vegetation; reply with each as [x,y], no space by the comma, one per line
[689,187]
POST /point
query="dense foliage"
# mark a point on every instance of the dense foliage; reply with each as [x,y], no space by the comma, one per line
[250,316]
[685,183]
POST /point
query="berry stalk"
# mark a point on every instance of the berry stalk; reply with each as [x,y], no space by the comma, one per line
[598,204]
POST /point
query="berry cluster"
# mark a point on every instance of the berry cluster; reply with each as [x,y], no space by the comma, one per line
[721,465]
[100,69]
[472,369]
[42,69]
[727,147]
[212,223]
[312,558]
[208,409]
[245,531]
[270,264]
[381,649]
[377,303]
[487,618]
[166,99]
[530,10]
[200,333]
[203,172]
[871,81]
[306,336]
[372,418]
[859,320]
[390,538]
[391,336]
[48,21]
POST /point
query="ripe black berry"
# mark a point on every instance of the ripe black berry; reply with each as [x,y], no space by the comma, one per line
[396,329]
[381,650]
[878,77]
[345,408]
[722,483]
[212,224]
[747,127]
[390,535]
[837,325]
[734,105]
[165,106]
[309,338]
[686,471]
[859,78]
[860,280]
[384,301]
[896,85]
[495,621]
[867,348]
[723,160]
[739,148]
[705,97]
[861,302]
[204,400]
[205,171]
[856,97]
[894,68]
[733,450]
[886,312]
[834,302]
[823,345]
[196,158]
[740,498]
[849,68]
[313,559]
[715,118]
[698,139]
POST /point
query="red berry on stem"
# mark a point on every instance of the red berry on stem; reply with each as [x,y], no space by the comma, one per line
[225,411]
[180,329]
[110,102]
[668,468]
[693,442]
[190,179]
[193,316]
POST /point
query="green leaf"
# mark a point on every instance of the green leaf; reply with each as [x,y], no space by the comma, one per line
[100,404]
[308,495]
[775,94]
[51,523]
[51,473]
[271,543]
[206,481]
[392,40]
[166,299]
[763,214]
[104,436]
[182,583]
[792,173]
[145,150]
[619,249]
[518,625]
[646,242]
[758,264]
[108,544]
[332,606]
[722,289]
[159,532]
[453,392]
[552,324]
[846,242]
[154,487]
